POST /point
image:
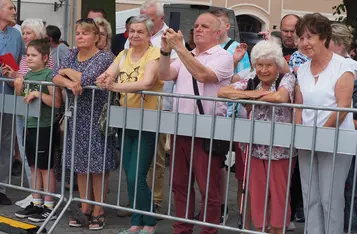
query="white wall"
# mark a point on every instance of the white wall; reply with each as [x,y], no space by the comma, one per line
[122,16]
[42,9]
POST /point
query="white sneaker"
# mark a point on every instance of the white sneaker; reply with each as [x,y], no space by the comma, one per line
[291,227]
[25,202]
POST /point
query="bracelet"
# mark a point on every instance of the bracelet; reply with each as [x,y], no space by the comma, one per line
[165,53]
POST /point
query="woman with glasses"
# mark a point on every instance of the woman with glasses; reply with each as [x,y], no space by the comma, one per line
[81,68]
[137,68]
[105,34]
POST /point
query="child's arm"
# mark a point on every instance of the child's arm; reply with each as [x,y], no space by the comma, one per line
[46,98]
[19,86]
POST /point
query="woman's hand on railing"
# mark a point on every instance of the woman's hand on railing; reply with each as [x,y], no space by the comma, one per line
[76,88]
[105,81]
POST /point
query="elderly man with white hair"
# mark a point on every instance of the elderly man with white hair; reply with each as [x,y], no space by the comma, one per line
[10,42]
[155,11]
[271,86]
[206,70]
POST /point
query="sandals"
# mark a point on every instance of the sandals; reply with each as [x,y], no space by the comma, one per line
[79,221]
[96,221]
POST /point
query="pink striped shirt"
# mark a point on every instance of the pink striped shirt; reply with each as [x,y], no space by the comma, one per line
[24,68]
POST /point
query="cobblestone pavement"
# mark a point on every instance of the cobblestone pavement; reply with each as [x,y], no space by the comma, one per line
[114,223]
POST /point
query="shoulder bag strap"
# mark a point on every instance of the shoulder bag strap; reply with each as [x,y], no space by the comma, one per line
[197,93]
[229,43]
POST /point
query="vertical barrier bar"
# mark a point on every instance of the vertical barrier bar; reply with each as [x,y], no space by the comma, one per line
[247,163]
[292,150]
[173,155]
[37,138]
[210,159]
[2,109]
[158,120]
[51,136]
[90,143]
[310,173]
[272,131]
[64,155]
[24,146]
[139,143]
[122,147]
[337,130]
[13,134]
[233,121]
[105,147]
[353,195]
[191,158]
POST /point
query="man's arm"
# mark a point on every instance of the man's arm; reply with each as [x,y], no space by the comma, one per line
[166,70]
[201,73]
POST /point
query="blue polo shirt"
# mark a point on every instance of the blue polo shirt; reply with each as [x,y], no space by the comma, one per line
[244,64]
[11,42]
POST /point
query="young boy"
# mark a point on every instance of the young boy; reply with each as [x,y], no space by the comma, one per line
[37,55]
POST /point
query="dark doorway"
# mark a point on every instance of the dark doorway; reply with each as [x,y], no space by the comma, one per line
[247,23]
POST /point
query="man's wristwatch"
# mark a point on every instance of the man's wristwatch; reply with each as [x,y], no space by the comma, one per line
[165,53]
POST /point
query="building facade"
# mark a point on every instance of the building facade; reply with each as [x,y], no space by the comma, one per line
[252,15]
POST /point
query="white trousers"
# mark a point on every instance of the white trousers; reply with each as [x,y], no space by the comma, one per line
[318,207]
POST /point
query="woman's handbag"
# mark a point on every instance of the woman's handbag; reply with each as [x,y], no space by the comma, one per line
[102,121]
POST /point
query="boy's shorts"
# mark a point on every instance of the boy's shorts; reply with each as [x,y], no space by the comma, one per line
[43,148]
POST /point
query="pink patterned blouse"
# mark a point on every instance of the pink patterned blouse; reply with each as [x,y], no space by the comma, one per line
[264,113]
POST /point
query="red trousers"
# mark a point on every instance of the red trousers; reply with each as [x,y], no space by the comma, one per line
[200,173]
[277,191]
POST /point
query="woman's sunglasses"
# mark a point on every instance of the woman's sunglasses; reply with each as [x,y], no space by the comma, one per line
[88,21]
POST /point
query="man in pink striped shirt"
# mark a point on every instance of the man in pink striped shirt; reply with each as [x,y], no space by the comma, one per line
[212,68]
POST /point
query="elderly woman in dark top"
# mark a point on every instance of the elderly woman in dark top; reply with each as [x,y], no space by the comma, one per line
[270,86]
[80,68]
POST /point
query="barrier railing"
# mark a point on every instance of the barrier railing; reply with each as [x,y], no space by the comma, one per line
[316,139]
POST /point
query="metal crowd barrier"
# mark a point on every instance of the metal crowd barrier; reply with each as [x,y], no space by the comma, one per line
[288,135]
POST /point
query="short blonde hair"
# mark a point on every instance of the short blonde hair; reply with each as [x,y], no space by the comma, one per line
[268,49]
[90,25]
[342,35]
[36,25]
[101,22]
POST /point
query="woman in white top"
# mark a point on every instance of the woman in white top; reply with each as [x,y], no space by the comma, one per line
[326,80]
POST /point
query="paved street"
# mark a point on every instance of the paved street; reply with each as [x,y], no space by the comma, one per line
[114,223]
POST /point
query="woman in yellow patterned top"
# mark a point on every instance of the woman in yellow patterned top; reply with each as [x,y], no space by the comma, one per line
[137,70]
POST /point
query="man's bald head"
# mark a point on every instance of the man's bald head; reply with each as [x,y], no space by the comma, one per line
[216,22]
[287,27]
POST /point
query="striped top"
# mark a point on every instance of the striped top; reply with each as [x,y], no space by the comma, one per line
[24,68]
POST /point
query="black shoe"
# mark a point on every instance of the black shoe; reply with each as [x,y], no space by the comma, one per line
[42,216]
[4,200]
[28,211]
[299,216]
[221,219]
[16,168]
[158,210]
[197,216]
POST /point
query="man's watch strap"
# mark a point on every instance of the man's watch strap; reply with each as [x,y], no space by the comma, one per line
[164,53]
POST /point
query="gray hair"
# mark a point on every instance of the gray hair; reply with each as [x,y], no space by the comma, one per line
[36,25]
[155,3]
[341,35]
[268,49]
[150,27]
